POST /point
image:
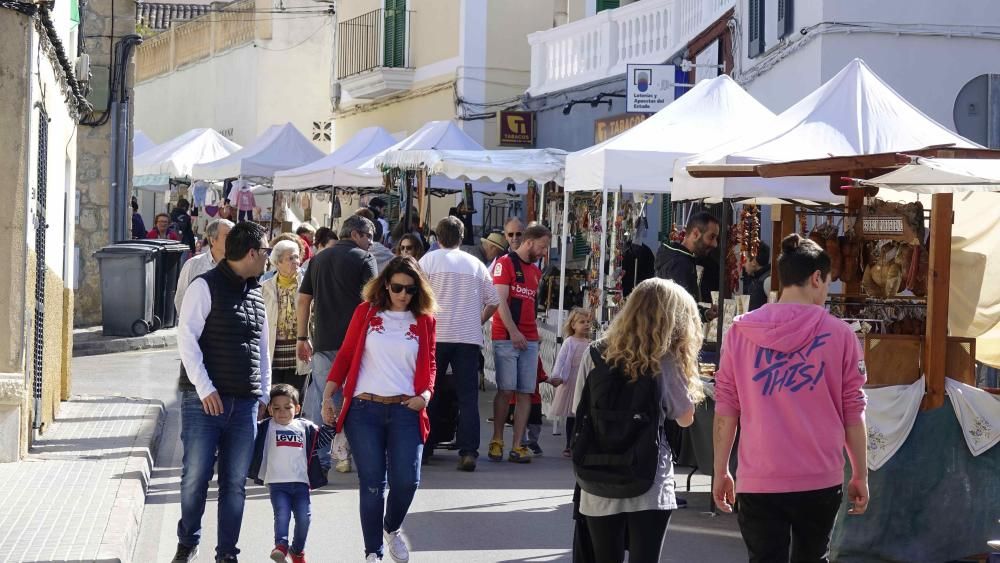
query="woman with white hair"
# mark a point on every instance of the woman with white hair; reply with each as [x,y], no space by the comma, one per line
[280,293]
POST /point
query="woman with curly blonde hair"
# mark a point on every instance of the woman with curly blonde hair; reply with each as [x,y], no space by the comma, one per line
[657,334]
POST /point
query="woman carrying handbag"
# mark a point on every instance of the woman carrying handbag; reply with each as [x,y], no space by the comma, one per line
[386,368]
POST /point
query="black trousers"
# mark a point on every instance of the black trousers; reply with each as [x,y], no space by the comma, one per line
[776,525]
[645,531]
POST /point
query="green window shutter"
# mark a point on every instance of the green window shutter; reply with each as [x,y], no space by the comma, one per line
[74,11]
[784,18]
[755,28]
[607,5]
[395,34]
[666,218]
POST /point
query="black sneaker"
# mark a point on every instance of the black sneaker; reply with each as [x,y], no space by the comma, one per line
[467,463]
[227,559]
[185,553]
[535,449]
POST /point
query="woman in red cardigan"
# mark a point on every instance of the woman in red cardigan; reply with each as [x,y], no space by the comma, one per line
[386,367]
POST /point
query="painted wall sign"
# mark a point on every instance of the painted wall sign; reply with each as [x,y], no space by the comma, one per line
[607,127]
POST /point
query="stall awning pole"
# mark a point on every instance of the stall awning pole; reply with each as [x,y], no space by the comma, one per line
[720,320]
[563,247]
[541,205]
[604,254]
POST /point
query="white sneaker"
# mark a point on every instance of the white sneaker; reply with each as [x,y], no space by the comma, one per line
[396,542]
[372,558]
[344,466]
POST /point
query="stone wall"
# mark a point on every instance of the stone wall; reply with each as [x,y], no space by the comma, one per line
[15,35]
[93,158]
[57,352]
[18,263]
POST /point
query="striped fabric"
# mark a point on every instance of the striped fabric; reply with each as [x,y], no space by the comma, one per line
[463,287]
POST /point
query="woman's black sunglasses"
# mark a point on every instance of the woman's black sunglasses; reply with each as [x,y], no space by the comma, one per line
[399,288]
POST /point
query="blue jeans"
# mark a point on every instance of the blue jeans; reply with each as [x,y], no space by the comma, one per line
[231,435]
[312,403]
[385,439]
[516,370]
[288,499]
[464,362]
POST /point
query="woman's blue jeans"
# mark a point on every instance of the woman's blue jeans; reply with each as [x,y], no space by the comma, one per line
[385,442]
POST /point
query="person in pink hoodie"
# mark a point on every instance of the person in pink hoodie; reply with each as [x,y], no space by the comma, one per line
[791,376]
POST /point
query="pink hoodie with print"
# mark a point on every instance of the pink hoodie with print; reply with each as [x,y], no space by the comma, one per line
[793,375]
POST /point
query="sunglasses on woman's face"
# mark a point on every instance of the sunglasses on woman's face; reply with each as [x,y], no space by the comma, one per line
[399,288]
[406,247]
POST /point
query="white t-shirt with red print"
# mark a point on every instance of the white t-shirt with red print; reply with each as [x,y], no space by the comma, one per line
[390,357]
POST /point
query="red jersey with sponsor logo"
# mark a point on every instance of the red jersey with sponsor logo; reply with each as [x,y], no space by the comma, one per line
[522,296]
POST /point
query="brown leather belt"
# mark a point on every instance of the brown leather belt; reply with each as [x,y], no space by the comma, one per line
[393,400]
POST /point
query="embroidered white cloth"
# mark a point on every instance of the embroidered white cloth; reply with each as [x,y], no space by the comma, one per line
[978,414]
[890,415]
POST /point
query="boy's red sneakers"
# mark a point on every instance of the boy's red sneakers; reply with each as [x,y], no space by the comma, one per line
[280,554]
[299,557]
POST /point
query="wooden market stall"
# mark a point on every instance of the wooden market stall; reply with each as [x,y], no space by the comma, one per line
[930,454]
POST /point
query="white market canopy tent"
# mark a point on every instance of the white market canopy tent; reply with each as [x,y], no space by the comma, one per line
[854,113]
[280,147]
[942,175]
[497,166]
[177,157]
[365,172]
[141,143]
[320,173]
[642,158]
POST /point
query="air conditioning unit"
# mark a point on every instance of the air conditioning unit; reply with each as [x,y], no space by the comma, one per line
[83,68]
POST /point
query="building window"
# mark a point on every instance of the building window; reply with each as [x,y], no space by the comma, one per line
[755,27]
[607,4]
[784,18]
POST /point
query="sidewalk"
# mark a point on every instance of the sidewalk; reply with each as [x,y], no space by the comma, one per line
[79,495]
[91,342]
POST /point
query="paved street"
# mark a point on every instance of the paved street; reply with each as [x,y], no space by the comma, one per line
[501,512]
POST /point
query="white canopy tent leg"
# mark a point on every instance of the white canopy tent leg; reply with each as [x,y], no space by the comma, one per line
[563,247]
[604,254]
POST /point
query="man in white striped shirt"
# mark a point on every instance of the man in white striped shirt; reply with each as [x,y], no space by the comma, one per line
[466,299]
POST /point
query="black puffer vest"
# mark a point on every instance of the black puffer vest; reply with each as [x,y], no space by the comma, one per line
[231,340]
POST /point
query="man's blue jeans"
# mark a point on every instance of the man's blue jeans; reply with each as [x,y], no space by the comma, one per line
[385,440]
[464,362]
[288,499]
[230,437]
[312,403]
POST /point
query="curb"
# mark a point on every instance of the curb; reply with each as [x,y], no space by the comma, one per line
[151,342]
[122,533]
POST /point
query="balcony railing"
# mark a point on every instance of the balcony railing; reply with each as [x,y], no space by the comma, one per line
[236,24]
[377,39]
[648,31]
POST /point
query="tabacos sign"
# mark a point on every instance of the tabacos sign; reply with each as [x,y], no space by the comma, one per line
[649,87]
[517,128]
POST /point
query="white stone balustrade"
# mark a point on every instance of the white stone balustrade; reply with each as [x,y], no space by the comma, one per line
[597,47]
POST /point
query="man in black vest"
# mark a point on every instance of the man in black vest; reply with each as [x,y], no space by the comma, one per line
[225,378]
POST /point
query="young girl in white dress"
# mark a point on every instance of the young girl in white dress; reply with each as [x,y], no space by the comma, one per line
[577,331]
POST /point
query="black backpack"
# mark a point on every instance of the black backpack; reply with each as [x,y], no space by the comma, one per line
[616,439]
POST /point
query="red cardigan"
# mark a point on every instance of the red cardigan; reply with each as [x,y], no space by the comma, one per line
[347,364]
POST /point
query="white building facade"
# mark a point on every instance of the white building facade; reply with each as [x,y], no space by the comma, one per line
[927,51]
